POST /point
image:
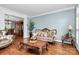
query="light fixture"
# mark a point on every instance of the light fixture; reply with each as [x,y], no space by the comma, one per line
[69,27]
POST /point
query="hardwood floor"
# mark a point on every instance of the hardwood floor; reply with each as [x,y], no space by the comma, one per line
[53,49]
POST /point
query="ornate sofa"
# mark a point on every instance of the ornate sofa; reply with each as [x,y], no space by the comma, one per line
[5,40]
[46,34]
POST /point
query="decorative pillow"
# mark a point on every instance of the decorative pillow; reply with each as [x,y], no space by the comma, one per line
[39,33]
[50,34]
[45,34]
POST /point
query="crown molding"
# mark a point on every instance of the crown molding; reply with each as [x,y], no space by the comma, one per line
[7,9]
[56,11]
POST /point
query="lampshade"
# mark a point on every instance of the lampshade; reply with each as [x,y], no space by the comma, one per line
[70,27]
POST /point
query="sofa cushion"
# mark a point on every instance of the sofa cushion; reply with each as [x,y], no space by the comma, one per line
[45,34]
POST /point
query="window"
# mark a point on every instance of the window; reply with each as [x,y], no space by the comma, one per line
[8,24]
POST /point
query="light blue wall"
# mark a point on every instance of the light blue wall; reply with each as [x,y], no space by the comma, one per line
[58,20]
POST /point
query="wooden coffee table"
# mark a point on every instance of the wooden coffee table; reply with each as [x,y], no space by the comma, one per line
[39,44]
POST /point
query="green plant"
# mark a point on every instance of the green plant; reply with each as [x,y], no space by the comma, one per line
[31,26]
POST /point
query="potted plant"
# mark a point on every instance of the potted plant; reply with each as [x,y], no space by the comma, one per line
[31,27]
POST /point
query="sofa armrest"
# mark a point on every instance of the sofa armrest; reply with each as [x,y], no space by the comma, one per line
[9,36]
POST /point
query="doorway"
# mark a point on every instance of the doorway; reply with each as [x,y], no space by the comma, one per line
[19,28]
[14,25]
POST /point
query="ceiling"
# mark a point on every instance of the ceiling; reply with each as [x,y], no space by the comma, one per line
[36,9]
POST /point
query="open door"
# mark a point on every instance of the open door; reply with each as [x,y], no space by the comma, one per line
[19,28]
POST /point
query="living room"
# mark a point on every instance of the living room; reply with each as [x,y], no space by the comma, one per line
[50,25]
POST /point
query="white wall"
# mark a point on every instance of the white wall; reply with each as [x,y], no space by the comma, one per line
[4,11]
[77,28]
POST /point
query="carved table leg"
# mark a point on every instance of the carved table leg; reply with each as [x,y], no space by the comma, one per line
[47,46]
[20,46]
[40,50]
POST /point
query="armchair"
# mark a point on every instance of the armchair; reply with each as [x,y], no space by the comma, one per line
[68,38]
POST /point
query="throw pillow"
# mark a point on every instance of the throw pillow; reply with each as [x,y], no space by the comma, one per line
[45,34]
[50,34]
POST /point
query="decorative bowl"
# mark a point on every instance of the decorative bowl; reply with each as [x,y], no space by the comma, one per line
[33,41]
